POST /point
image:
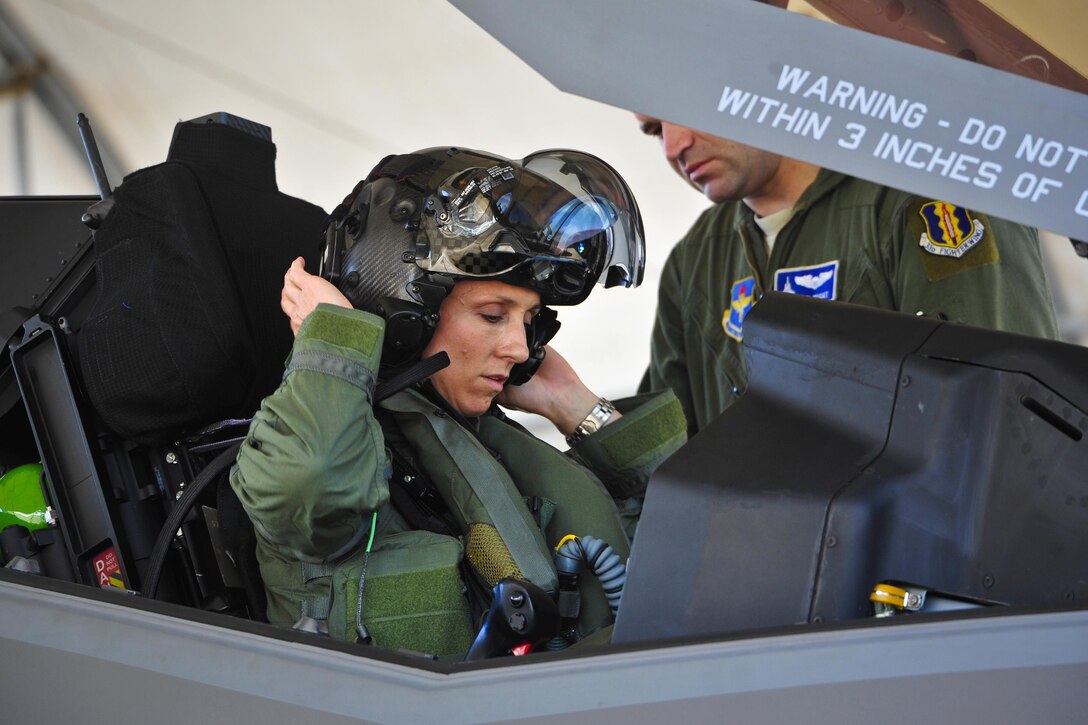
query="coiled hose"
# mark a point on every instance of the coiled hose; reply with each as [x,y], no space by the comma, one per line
[574,553]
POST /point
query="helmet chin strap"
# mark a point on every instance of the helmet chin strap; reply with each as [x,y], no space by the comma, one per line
[418,372]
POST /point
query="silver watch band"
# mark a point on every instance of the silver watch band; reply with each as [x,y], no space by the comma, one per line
[593,422]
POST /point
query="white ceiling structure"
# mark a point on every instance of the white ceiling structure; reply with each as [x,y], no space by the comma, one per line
[343,83]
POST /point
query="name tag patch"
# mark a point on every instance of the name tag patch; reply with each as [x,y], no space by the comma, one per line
[819,280]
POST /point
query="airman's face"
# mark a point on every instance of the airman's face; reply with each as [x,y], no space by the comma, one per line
[482,328]
[721,169]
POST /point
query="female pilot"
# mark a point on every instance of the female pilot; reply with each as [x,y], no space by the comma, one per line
[387,517]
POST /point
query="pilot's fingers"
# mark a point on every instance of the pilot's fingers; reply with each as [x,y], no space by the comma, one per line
[291,287]
[289,305]
[295,274]
[287,300]
[302,292]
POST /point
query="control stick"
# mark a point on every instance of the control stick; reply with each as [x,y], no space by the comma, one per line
[521,613]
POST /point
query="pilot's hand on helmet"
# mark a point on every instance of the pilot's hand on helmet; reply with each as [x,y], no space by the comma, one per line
[555,392]
[302,292]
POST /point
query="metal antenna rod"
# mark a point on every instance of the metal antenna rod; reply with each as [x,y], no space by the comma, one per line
[93,157]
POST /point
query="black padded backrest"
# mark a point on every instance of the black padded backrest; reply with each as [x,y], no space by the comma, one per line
[261,228]
[186,327]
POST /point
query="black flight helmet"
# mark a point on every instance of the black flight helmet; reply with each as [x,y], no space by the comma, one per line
[556,221]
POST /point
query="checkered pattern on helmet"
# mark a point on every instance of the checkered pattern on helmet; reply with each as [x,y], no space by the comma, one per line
[484,265]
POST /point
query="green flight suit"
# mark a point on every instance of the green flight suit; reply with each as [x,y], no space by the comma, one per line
[314,469]
[848,240]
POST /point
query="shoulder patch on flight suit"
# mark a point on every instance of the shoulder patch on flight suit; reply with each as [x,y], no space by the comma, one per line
[741,300]
[951,239]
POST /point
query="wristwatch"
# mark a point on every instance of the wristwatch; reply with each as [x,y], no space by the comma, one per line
[593,422]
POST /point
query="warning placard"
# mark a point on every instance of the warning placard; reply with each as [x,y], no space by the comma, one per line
[107,570]
[907,117]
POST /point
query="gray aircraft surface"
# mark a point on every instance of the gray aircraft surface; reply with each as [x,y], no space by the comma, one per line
[917,553]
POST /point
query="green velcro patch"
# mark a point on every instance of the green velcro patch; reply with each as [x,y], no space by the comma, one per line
[422,611]
[413,595]
[950,238]
[663,424]
[345,328]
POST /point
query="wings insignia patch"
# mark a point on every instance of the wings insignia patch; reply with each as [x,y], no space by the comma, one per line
[817,280]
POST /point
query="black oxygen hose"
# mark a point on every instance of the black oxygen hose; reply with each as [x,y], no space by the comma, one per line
[572,554]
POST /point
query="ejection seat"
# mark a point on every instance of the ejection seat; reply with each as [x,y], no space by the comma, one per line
[155,361]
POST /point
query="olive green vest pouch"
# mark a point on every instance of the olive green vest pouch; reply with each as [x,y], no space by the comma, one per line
[413,597]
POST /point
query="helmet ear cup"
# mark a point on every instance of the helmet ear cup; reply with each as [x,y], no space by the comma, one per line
[410,325]
[538,333]
[408,329]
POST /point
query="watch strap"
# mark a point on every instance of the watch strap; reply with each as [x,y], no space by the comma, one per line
[600,414]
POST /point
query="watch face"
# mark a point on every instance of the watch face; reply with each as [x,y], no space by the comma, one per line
[597,417]
[593,422]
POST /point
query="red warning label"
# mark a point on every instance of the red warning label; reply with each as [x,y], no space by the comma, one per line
[107,569]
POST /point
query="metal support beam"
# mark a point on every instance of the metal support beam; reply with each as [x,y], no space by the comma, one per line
[22,165]
[61,103]
[965,29]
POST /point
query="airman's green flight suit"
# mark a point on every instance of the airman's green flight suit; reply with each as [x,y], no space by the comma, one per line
[848,240]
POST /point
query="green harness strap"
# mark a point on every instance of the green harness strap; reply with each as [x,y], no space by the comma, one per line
[493,494]
[316,607]
[478,488]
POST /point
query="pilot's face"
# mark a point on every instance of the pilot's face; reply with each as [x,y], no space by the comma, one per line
[482,328]
[721,169]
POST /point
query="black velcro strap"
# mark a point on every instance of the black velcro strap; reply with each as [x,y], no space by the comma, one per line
[412,375]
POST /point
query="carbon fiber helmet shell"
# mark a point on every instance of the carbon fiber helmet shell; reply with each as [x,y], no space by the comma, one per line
[378,249]
[557,222]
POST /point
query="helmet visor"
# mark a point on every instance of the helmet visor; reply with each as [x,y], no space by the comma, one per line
[557,222]
[606,209]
